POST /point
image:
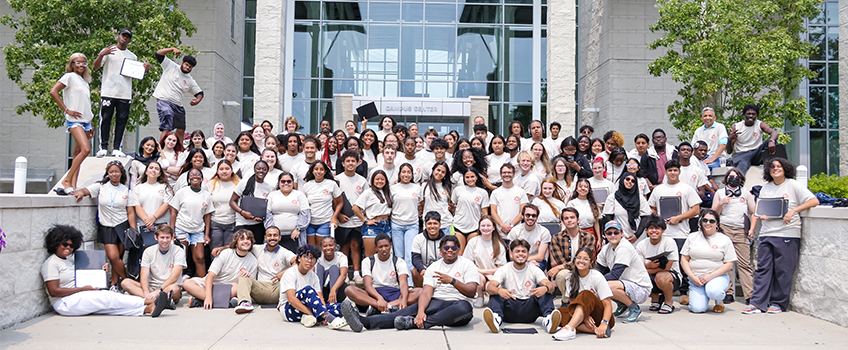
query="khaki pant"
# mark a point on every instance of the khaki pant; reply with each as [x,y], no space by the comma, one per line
[561,281]
[260,292]
[742,245]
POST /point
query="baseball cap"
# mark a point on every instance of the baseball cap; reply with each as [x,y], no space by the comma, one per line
[612,224]
[125,31]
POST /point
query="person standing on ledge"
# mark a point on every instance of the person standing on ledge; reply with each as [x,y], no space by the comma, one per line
[173,84]
[115,91]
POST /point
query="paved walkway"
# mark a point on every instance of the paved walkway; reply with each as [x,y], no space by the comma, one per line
[223,329]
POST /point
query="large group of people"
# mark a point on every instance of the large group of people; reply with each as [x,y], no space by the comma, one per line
[396,229]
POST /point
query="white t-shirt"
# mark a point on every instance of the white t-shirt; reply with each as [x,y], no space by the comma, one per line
[462,269]
[353,187]
[614,172]
[530,182]
[270,263]
[538,236]
[339,260]
[260,190]
[714,136]
[797,194]
[691,175]
[112,202]
[405,199]
[644,189]
[587,217]
[285,209]
[509,201]
[77,97]
[246,162]
[112,83]
[520,281]
[162,265]
[625,254]
[182,180]
[546,214]
[174,83]
[371,206]
[320,196]
[382,273]
[191,208]
[749,138]
[688,199]
[221,194]
[708,254]
[228,264]
[593,282]
[417,163]
[470,202]
[438,205]
[495,163]
[56,268]
[294,280]
[298,171]
[391,174]
[150,198]
[288,162]
[733,213]
[481,252]
[666,244]
[614,207]
[605,184]
[567,190]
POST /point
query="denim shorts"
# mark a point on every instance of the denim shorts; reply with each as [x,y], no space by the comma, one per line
[322,230]
[384,226]
[193,238]
[85,126]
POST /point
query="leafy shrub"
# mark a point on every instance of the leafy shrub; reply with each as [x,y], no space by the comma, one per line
[834,186]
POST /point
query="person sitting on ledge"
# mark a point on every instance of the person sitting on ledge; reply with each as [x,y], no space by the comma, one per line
[67,299]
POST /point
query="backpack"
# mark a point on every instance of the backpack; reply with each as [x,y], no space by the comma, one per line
[373,260]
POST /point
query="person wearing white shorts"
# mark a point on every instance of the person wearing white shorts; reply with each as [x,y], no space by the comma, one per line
[624,270]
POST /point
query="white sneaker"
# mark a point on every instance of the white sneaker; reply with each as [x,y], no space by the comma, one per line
[492,320]
[551,322]
[308,320]
[118,153]
[101,153]
[338,323]
[358,280]
[565,333]
[478,303]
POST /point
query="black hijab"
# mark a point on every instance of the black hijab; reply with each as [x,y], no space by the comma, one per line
[629,198]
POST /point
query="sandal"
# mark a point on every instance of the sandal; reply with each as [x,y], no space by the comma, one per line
[751,310]
[774,309]
[60,191]
[654,307]
[666,309]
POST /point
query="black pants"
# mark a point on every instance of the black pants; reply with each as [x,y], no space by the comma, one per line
[258,232]
[522,310]
[684,278]
[121,109]
[439,313]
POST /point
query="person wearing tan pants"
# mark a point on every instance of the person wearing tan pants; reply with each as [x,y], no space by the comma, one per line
[733,205]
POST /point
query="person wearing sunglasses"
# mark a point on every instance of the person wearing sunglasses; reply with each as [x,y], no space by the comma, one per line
[67,299]
[628,207]
[538,236]
[288,209]
[624,270]
[707,258]
[449,285]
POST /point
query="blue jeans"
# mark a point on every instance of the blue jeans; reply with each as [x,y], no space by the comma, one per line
[700,296]
[380,227]
[715,164]
[402,236]
[742,160]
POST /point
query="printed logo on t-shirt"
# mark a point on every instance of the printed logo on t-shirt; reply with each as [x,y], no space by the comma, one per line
[277,264]
[712,137]
[786,195]
[694,177]
[741,199]
[171,266]
[714,247]
[203,205]
[457,275]
[358,189]
[756,134]
[415,196]
[325,192]
[161,192]
[538,243]
[517,199]
[679,194]
[294,201]
[477,199]
[392,274]
[243,270]
[527,285]
[444,193]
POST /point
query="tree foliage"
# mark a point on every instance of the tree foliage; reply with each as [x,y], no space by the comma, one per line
[49,31]
[728,53]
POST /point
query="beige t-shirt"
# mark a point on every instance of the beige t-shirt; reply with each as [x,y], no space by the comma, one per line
[708,254]
[520,281]
[292,279]
[352,187]
[405,199]
[667,244]
[371,206]
[339,259]
[260,190]
[382,273]
[462,269]
[56,268]
[593,282]
[481,252]
[150,198]
[112,83]
[221,194]
[470,202]
[174,83]
[76,96]
[191,208]
[161,265]
[688,198]
[509,201]
[625,254]
[228,264]
[270,263]
[439,205]
[112,202]
[536,237]
[285,209]
[320,196]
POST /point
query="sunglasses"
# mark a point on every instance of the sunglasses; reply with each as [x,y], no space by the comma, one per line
[613,233]
[531,215]
[630,180]
[711,221]
[450,247]
[66,244]
[285,181]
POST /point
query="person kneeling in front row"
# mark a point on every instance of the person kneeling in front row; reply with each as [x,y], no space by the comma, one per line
[385,281]
[67,299]
[516,296]
[449,284]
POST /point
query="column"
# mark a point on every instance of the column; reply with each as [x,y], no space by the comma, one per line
[268,88]
[479,106]
[342,110]
[562,21]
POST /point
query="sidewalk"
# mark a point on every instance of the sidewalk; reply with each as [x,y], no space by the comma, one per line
[223,329]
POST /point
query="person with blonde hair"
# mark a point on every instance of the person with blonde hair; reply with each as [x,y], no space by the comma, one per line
[525,177]
[291,126]
[75,104]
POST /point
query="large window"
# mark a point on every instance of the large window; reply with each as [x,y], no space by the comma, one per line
[823,91]
[414,48]
[249,60]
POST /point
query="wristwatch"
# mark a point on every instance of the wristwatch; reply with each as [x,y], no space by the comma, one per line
[453,280]
[605,322]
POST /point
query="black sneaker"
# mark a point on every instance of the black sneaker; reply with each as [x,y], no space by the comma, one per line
[171,304]
[728,298]
[161,304]
[351,315]
[620,309]
[372,311]
[405,322]
[233,302]
[392,308]
[195,303]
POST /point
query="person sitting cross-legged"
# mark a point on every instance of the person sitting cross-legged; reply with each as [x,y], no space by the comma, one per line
[225,269]
[625,272]
[385,281]
[161,268]
[449,284]
[300,294]
[588,309]
[520,293]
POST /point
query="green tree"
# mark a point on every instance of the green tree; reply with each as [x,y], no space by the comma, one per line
[49,31]
[728,53]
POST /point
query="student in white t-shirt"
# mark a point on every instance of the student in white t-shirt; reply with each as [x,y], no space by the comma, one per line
[525,177]
[300,293]
[223,220]
[507,201]
[195,159]
[549,203]
[174,82]
[388,165]
[272,260]
[589,296]
[191,214]
[448,284]
[497,157]
[225,269]
[734,206]
[425,247]
[274,169]
[349,232]
[664,269]
[436,193]
[583,199]
[152,195]
[625,272]
[325,201]
[406,196]
[373,207]
[59,276]
[472,202]
[115,213]
[253,186]
[161,268]
[627,206]
[520,293]
[75,104]
[385,281]
[248,154]
[707,258]
[538,236]
[299,169]
[488,251]
[332,269]
[598,181]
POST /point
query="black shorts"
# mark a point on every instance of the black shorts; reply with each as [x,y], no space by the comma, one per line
[171,116]
[113,235]
[675,282]
[345,235]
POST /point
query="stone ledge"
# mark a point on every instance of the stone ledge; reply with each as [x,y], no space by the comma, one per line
[825,212]
[11,201]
